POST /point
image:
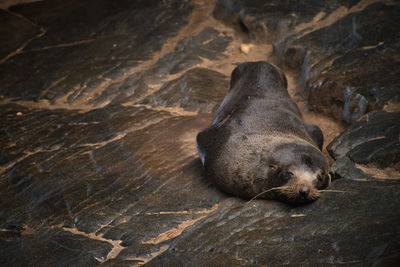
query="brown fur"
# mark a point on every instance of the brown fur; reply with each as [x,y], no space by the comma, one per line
[259,143]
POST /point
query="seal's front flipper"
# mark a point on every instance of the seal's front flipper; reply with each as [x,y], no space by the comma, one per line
[205,140]
[201,143]
[316,134]
[210,140]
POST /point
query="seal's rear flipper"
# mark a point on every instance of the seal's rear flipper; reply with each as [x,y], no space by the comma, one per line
[316,134]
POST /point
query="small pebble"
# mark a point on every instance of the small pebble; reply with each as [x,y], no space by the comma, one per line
[245,48]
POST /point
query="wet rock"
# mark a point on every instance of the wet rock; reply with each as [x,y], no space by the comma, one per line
[52,247]
[374,140]
[95,158]
[98,118]
[127,91]
[270,233]
[354,50]
[198,90]
[17,33]
[199,258]
[294,57]
[84,42]
[209,44]
[355,54]
[76,23]
[266,21]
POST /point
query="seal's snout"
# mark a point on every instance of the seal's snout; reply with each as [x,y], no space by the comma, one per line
[304,192]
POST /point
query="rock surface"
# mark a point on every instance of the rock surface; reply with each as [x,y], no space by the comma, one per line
[100,103]
[270,233]
[371,142]
[338,47]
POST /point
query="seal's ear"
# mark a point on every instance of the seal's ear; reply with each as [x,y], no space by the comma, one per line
[316,134]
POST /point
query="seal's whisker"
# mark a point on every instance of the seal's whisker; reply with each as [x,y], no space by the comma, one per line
[315,196]
[271,189]
[337,191]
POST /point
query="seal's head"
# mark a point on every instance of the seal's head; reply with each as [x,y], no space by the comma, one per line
[297,173]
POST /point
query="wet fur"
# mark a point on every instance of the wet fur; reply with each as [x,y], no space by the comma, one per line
[257,134]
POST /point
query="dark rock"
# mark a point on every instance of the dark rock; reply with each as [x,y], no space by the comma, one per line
[379,126]
[269,233]
[74,21]
[96,37]
[150,226]
[18,32]
[53,247]
[138,251]
[373,139]
[98,162]
[209,44]
[266,21]
[200,258]
[354,107]
[127,91]
[95,158]
[345,168]
[356,53]
[294,57]
[198,90]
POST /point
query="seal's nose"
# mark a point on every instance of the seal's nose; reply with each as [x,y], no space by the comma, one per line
[304,191]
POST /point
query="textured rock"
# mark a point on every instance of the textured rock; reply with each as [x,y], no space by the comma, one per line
[100,103]
[197,90]
[361,58]
[95,37]
[75,175]
[16,34]
[333,48]
[270,233]
[267,21]
[209,44]
[52,247]
[373,141]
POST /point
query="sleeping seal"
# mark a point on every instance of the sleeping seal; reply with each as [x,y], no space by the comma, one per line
[259,145]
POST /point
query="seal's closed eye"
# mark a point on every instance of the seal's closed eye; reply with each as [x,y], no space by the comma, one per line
[285,175]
